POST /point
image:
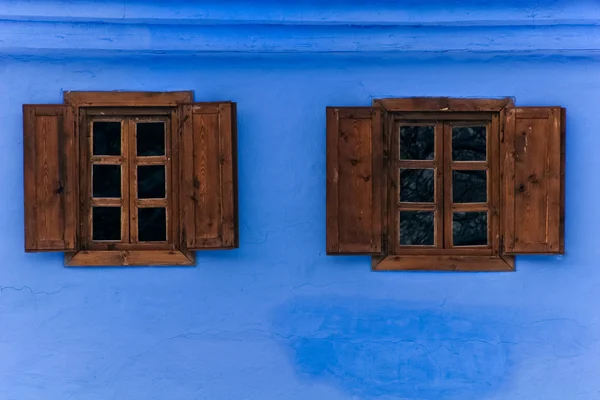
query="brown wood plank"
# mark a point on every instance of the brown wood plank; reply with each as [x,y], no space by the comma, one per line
[447,174]
[469,165]
[456,251]
[151,160]
[417,164]
[127,99]
[50,166]
[187,189]
[207,173]
[111,160]
[422,117]
[227,131]
[332,189]
[439,186]
[445,263]
[417,206]
[128,111]
[442,104]
[106,202]
[173,144]
[29,177]
[494,183]
[469,207]
[355,173]
[534,180]
[149,203]
[129,258]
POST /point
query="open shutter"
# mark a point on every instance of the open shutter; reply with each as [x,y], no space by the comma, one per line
[534,166]
[354,179]
[50,178]
[208,192]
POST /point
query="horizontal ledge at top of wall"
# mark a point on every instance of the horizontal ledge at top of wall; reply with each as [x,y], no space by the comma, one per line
[373,12]
[306,23]
[16,36]
[296,58]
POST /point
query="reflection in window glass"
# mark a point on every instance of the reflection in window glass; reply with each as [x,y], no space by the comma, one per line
[106,223]
[150,139]
[469,186]
[417,142]
[417,185]
[151,182]
[106,138]
[469,143]
[152,224]
[470,228]
[106,181]
[417,228]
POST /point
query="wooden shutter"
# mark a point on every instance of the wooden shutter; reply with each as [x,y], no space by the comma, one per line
[208,192]
[354,179]
[534,166]
[50,177]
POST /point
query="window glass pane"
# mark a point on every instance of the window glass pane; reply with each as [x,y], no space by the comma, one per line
[106,138]
[416,185]
[417,142]
[417,228]
[469,143]
[106,223]
[469,187]
[469,228]
[150,139]
[152,224]
[106,181]
[151,181]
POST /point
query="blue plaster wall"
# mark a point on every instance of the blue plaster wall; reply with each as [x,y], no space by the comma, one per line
[276,318]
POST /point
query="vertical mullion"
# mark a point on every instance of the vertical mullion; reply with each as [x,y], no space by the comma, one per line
[393,184]
[129,190]
[493,182]
[168,183]
[85,182]
[439,186]
[447,178]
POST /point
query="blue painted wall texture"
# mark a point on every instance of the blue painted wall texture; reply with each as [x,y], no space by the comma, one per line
[277,318]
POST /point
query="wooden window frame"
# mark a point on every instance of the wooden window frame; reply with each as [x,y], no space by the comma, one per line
[87,105]
[443,112]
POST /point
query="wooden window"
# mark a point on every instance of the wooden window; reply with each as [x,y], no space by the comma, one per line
[130,178]
[445,184]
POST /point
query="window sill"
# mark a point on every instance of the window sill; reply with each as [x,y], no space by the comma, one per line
[119,258]
[444,263]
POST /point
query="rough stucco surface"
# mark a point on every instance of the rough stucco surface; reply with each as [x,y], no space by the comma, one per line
[276,318]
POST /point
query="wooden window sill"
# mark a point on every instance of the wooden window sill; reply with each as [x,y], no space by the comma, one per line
[118,258]
[443,263]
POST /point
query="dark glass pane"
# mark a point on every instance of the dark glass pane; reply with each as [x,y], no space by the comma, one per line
[106,138]
[106,223]
[416,185]
[151,182]
[469,228]
[469,187]
[417,142]
[106,181]
[469,143]
[151,139]
[417,228]
[152,224]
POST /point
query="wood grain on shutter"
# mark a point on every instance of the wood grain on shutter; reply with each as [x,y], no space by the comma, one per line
[50,168]
[354,179]
[207,157]
[534,165]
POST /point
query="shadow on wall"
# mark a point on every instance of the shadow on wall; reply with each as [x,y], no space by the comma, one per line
[378,349]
